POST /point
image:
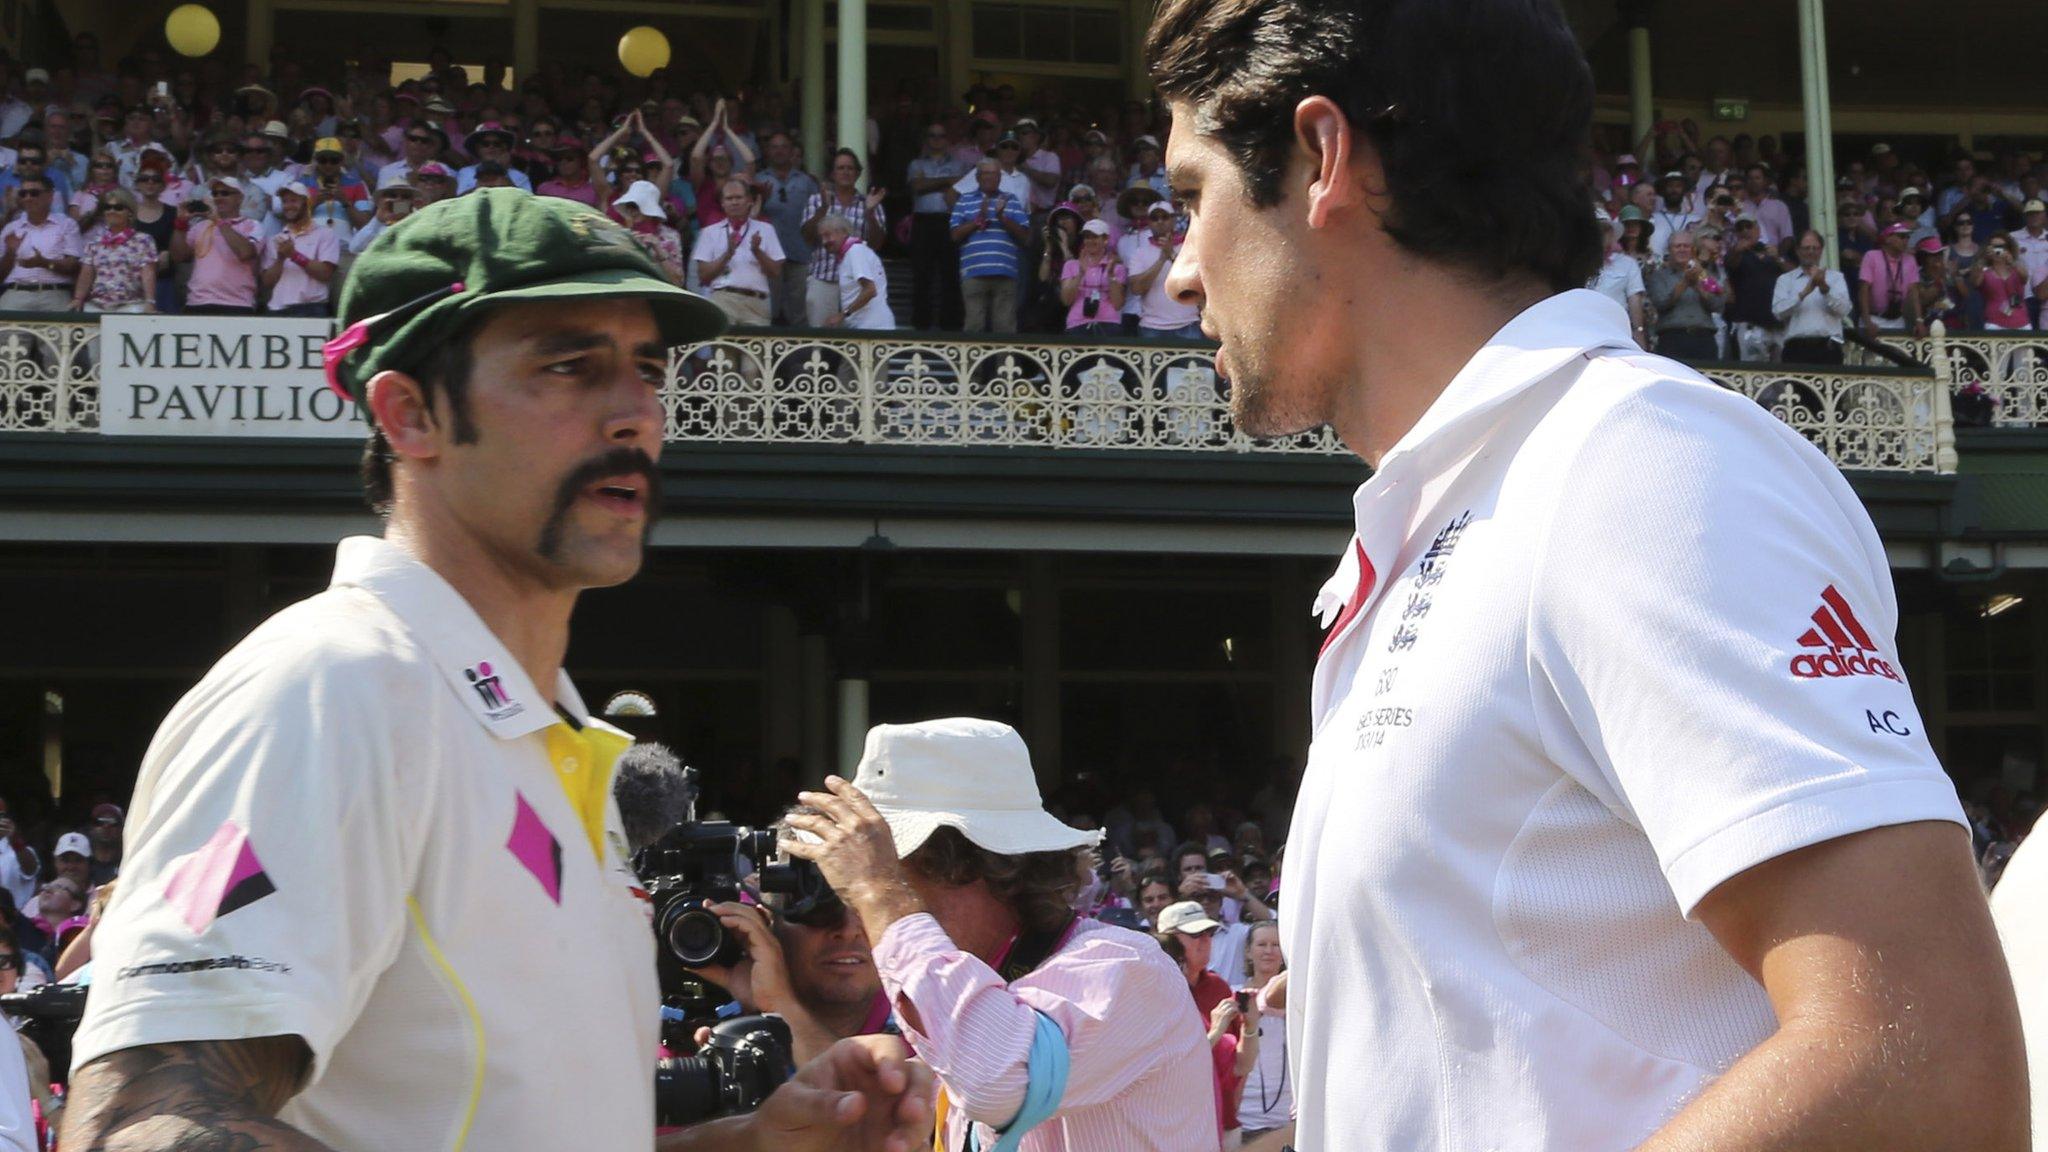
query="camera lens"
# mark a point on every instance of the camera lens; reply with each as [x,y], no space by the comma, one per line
[695,935]
[686,1091]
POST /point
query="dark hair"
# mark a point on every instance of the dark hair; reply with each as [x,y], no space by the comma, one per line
[1187,848]
[1175,947]
[42,182]
[1039,887]
[1479,111]
[1154,876]
[446,366]
[850,154]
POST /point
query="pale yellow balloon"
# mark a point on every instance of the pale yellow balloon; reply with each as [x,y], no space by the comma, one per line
[192,29]
[642,50]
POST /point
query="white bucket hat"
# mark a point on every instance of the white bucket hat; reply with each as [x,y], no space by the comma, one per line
[974,775]
[644,196]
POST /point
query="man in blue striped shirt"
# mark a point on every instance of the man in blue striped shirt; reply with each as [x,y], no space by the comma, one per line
[990,226]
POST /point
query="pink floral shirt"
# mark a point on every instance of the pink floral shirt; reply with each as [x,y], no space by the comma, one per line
[665,246]
[117,262]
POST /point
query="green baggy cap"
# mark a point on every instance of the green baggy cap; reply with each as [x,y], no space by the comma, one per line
[432,271]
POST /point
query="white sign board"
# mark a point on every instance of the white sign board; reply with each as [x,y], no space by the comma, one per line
[232,376]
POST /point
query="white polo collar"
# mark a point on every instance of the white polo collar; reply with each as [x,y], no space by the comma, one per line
[1529,349]
[475,663]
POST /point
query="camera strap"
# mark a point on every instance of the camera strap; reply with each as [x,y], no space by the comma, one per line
[1031,949]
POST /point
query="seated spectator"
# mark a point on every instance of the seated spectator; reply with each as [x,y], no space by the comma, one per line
[39,252]
[1092,285]
[990,225]
[1147,166]
[740,261]
[222,247]
[571,180]
[119,268]
[395,199]
[101,177]
[1812,301]
[1686,299]
[863,287]
[1155,892]
[640,209]
[29,165]
[139,135]
[1196,930]
[1937,295]
[73,861]
[339,203]
[491,143]
[300,261]
[57,902]
[2004,284]
[433,182]
[423,142]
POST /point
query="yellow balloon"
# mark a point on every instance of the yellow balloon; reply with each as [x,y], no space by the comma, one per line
[192,29]
[643,50]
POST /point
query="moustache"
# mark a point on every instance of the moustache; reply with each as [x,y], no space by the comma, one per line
[619,461]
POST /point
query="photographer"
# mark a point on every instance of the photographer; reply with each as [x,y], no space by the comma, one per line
[1072,1032]
[813,968]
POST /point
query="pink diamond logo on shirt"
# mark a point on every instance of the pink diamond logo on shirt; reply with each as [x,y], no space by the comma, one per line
[222,876]
[537,848]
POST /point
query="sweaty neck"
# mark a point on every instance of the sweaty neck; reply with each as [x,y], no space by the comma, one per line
[529,617]
[1398,367]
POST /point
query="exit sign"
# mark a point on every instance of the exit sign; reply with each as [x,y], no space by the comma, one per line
[1728,108]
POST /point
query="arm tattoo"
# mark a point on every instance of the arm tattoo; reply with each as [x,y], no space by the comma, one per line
[207,1096]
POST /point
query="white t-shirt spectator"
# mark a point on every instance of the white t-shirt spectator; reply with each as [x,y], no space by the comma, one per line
[744,273]
[56,237]
[2033,253]
[1620,278]
[1268,1101]
[1607,636]
[856,264]
[1156,308]
[1226,952]
[294,286]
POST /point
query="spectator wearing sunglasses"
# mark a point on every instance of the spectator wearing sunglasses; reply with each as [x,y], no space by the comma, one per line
[491,142]
[422,144]
[222,246]
[810,964]
[29,164]
[395,200]
[39,251]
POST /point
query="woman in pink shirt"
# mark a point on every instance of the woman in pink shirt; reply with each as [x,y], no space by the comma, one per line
[2004,284]
[1092,285]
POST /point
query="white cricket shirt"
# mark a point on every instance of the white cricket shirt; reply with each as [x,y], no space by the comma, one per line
[1627,636]
[2020,906]
[353,830]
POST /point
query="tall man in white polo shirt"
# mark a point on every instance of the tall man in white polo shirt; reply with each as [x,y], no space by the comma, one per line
[377,894]
[1619,829]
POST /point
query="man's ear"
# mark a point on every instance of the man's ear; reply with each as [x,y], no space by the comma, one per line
[1343,170]
[399,405]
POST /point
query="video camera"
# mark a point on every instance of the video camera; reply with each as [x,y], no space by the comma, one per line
[49,1015]
[699,863]
[745,1059]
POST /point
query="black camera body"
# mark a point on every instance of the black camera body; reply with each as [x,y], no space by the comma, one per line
[49,1015]
[745,1059]
[700,863]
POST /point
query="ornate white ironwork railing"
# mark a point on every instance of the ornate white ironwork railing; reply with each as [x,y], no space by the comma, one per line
[909,389]
[935,391]
[1997,378]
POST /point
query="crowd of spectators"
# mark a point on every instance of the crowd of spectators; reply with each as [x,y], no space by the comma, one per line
[48,901]
[1711,248]
[166,185]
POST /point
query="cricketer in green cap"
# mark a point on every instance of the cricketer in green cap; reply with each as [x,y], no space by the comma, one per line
[421,281]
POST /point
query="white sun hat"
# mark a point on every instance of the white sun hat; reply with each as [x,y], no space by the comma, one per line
[974,775]
[644,196]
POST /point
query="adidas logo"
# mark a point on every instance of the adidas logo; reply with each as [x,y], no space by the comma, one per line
[1849,650]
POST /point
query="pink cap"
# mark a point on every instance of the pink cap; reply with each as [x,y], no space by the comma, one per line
[1898,229]
[1928,246]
